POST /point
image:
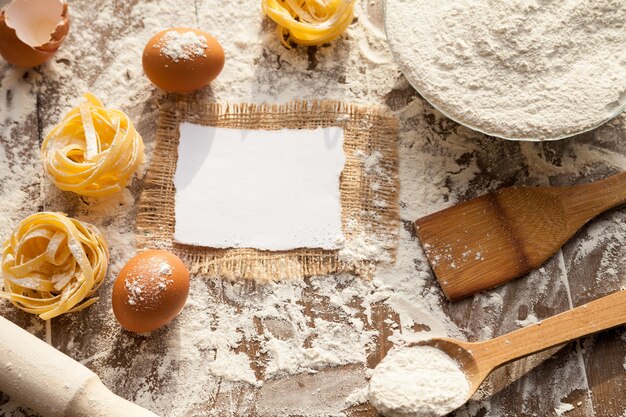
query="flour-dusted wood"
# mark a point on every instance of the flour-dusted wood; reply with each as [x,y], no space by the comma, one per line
[503,235]
[479,359]
[441,163]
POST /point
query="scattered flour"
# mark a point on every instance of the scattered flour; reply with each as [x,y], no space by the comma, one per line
[518,69]
[134,288]
[233,367]
[302,347]
[371,162]
[530,319]
[181,45]
[563,408]
[418,381]
[148,283]
[365,246]
[164,269]
[368,245]
[358,396]
[19,98]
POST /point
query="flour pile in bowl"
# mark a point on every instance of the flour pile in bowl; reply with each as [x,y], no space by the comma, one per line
[520,69]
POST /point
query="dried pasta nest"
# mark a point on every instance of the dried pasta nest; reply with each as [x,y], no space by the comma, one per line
[309,22]
[93,151]
[52,264]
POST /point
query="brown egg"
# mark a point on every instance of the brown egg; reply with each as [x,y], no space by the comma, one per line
[31,32]
[182,60]
[150,291]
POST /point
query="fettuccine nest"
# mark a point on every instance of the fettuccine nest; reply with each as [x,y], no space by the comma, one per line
[310,22]
[52,264]
[93,151]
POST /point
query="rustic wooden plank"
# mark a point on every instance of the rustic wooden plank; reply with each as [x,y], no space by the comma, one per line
[538,388]
[541,381]
[80,63]
[481,317]
[594,260]
[19,158]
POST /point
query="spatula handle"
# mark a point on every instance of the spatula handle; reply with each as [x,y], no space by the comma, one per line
[583,202]
[595,316]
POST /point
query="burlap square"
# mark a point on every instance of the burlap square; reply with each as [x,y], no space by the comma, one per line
[369,189]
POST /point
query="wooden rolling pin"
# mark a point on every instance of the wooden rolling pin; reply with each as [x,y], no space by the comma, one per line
[42,378]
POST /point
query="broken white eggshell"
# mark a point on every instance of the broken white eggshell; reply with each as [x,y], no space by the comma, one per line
[31,31]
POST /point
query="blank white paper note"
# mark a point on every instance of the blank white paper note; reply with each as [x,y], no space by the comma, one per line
[272,190]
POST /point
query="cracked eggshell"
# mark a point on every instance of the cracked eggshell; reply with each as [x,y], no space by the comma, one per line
[31,31]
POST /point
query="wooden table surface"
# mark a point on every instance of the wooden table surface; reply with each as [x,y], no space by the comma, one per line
[589,374]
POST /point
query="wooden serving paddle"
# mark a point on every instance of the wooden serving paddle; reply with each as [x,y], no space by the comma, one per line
[492,239]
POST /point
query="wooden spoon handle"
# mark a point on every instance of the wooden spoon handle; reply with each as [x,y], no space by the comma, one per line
[598,315]
[583,202]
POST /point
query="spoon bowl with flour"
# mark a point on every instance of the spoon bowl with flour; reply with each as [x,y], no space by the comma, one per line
[434,377]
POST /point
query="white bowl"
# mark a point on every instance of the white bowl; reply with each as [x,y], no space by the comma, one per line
[440,106]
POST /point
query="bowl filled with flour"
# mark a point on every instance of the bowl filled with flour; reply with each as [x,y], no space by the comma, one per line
[518,69]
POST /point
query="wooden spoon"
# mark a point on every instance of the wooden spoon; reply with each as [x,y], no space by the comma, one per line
[479,359]
[492,239]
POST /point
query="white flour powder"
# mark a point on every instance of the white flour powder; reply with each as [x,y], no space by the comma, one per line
[182,45]
[418,381]
[518,69]
[301,347]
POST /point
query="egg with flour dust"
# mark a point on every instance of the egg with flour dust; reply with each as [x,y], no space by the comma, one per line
[150,290]
[182,60]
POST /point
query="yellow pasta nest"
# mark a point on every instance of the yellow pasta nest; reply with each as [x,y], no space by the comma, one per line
[93,151]
[52,264]
[310,22]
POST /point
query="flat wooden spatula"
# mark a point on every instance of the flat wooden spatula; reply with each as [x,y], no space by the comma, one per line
[492,239]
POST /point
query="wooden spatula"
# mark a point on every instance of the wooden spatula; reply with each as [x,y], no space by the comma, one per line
[492,239]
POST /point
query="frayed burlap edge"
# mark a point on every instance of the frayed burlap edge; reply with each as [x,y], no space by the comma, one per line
[369,189]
